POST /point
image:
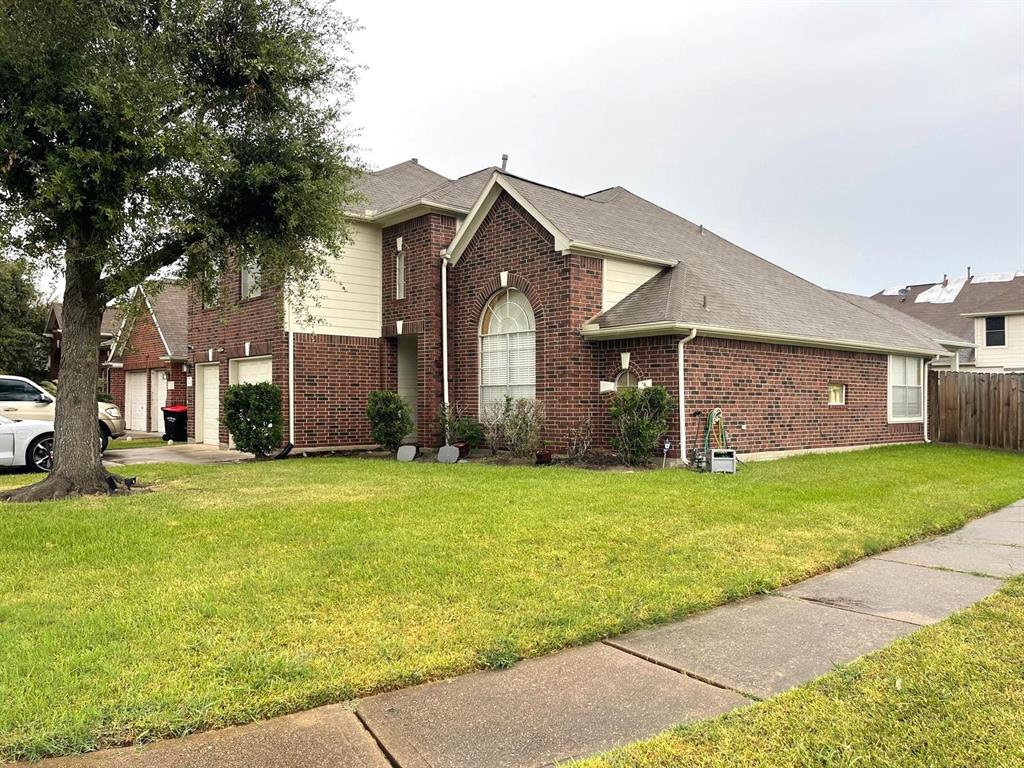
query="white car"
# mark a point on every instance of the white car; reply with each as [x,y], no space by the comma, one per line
[26,444]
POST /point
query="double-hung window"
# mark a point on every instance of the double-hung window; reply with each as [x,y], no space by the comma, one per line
[995,331]
[906,388]
[251,282]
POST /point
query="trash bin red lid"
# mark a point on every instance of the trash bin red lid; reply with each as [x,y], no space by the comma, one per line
[174,408]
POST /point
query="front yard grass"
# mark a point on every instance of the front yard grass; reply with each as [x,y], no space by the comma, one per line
[949,695]
[137,442]
[245,591]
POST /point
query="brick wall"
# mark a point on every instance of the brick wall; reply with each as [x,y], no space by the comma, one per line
[781,394]
[565,292]
[220,334]
[420,310]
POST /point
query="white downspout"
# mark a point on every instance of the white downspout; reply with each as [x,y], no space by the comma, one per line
[682,397]
[444,328]
[291,377]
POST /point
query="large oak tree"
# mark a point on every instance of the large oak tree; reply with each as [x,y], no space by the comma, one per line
[141,136]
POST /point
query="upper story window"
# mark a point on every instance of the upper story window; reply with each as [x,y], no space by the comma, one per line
[995,331]
[906,395]
[251,282]
[508,340]
[400,275]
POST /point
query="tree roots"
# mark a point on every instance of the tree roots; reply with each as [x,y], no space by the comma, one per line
[56,487]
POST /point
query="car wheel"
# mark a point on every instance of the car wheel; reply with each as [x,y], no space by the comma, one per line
[39,456]
[104,438]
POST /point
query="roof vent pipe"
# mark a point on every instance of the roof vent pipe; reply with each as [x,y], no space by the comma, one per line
[945,279]
[504,162]
[968,272]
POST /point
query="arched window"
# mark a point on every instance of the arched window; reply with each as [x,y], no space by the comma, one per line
[508,340]
[626,380]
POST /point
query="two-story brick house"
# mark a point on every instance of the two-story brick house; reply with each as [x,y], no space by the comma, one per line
[467,290]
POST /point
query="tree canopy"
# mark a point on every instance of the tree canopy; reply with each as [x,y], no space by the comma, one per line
[22,317]
[184,133]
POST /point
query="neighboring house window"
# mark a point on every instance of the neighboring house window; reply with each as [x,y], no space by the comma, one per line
[251,282]
[626,380]
[905,389]
[399,275]
[508,340]
[995,331]
[837,394]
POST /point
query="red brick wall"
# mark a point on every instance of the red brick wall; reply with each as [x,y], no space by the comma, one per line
[420,310]
[258,321]
[565,292]
[781,393]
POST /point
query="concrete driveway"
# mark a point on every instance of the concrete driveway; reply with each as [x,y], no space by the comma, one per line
[182,454]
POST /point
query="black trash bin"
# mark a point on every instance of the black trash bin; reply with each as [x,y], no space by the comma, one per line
[175,423]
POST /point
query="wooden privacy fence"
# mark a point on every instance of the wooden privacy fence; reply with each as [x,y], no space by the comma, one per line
[977,409]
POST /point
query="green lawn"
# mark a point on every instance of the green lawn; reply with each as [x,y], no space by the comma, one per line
[949,695]
[244,591]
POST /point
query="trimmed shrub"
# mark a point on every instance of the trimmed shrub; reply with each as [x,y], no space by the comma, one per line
[514,424]
[640,418]
[390,420]
[252,414]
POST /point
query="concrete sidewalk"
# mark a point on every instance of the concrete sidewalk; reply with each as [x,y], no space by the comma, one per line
[585,700]
[182,453]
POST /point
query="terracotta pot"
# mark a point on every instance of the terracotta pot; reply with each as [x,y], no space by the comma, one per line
[544,456]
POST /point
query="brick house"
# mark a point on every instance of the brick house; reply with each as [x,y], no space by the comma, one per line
[466,290]
[147,360]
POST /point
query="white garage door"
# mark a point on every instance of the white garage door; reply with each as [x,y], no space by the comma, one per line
[135,395]
[158,393]
[208,403]
[251,371]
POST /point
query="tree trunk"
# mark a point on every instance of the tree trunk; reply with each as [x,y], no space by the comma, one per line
[78,469]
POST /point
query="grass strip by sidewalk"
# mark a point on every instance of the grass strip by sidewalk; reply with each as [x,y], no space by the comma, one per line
[237,592]
[949,695]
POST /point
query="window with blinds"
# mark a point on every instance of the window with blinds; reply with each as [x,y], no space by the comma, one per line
[906,396]
[508,341]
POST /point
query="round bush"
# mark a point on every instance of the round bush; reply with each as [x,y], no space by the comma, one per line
[389,419]
[252,414]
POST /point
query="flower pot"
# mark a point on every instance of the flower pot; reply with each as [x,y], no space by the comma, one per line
[463,449]
[544,456]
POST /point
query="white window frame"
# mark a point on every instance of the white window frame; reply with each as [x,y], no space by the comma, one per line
[985,331]
[828,394]
[481,407]
[920,385]
[399,274]
[250,282]
[624,374]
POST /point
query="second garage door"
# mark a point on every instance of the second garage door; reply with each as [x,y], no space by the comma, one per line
[136,393]
[208,403]
[251,371]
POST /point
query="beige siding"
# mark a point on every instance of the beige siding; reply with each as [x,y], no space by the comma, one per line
[348,303]
[1011,356]
[621,278]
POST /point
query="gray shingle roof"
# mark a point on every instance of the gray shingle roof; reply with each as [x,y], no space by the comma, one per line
[170,307]
[108,324]
[390,187]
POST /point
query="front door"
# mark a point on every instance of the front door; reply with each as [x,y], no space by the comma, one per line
[408,380]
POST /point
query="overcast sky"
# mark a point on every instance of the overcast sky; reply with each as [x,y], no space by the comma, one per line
[860,145]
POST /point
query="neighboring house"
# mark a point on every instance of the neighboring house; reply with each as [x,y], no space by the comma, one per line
[985,308]
[52,331]
[468,290]
[148,358]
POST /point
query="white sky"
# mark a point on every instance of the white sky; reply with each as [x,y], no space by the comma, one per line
[860,145]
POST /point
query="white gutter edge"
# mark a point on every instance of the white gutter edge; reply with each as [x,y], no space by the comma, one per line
[671,328]
[682,397]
